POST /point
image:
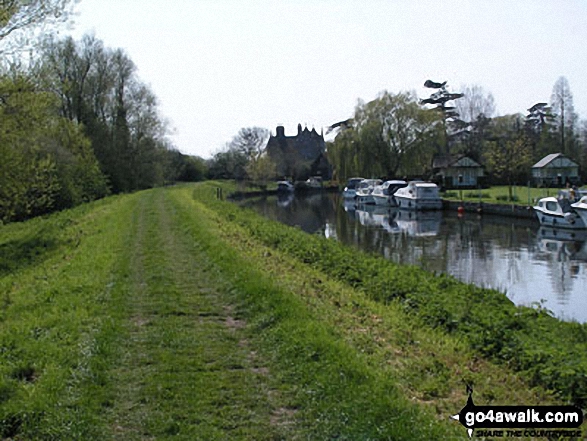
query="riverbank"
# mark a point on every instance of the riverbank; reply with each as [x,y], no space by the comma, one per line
[513,210]
[170,313]
[528,339]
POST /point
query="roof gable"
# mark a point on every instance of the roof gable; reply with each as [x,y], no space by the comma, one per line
[454,161]
[555,160]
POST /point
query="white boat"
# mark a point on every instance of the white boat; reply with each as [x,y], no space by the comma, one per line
[558,213]
[383,194]
[350,191]
[285,187]
[581,209]
[365,191]
[419,195]
[314,182]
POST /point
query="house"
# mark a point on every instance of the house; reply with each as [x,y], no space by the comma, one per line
[299,156]
[555,170]
[457,171]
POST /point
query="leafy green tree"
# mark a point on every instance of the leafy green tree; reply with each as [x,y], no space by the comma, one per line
[98,88]
[261,170]
[539,127]
[388,137]
[508,153]
[47,163]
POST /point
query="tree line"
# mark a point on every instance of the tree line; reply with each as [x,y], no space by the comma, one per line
[399,135]
[76,124]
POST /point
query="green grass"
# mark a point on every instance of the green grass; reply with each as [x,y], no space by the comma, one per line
[500,195]
[137,321]
[169,314]
[548,352]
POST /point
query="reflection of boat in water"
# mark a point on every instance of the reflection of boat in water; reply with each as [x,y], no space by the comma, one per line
[371,215]
[416,223]
[285,199]
[412,223]
[572,244]
[558,213]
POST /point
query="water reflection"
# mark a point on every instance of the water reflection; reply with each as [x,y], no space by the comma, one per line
[530,264]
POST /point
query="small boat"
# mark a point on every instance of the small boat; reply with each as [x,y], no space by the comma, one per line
[314,182]
[558,213]
[581,209]
[350,191]
[365,191]
[383,194]
[285,187]
[418,195]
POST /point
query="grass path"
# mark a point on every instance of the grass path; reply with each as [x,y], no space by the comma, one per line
[187,368]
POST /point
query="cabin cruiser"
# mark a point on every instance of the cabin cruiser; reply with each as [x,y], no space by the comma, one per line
[350,191]
[418,195]
[383,194]
[558,213]
[285,187]
[581,209]
[365,190]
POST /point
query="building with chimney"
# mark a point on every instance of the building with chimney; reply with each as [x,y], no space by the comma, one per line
[300,156]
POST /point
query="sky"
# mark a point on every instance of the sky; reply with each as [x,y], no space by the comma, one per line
[217,66]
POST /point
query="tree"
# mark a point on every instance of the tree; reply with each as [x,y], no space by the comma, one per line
[382,135]
[539,127]
[474,103]
[17,16]
[452,126]
[47,162]
[250,141]
[98,88]
[508,152]
[261,170]
[562,105]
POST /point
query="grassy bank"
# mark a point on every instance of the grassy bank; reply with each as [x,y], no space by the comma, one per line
[548,352]
[167,313]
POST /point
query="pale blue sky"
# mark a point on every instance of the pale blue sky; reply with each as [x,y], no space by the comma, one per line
[219,65]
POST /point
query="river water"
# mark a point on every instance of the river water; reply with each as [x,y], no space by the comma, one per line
[531,264]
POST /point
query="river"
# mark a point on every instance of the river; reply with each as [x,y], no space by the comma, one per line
[531,264]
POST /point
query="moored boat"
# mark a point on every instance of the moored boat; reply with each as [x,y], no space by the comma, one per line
[365,191]
[285,187]
[418,195]
[350,191]
[580,208]
[558,213]
[383,194]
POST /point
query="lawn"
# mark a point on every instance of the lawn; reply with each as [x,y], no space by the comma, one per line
[523,195]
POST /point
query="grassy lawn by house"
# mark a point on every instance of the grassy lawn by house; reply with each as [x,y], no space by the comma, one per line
[500,194]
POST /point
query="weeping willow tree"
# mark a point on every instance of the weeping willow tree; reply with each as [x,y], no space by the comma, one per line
[388,137]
